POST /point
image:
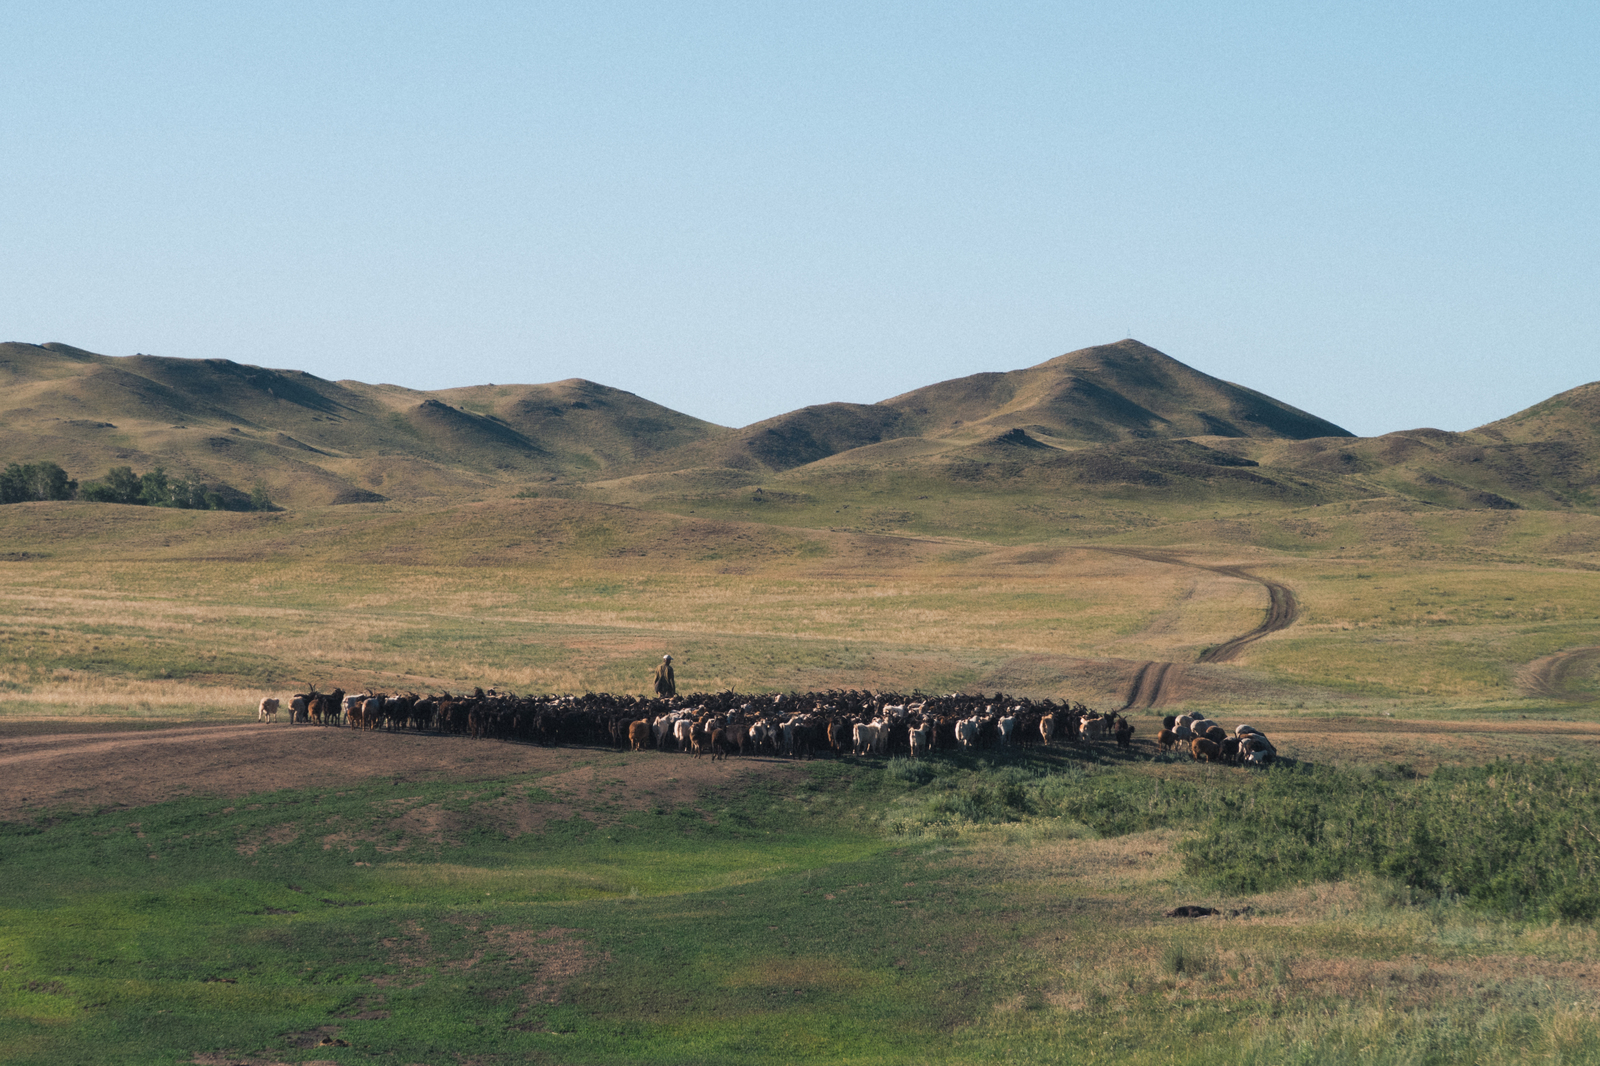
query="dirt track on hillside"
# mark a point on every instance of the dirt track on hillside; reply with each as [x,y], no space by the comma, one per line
[1552,676]
[1154,682]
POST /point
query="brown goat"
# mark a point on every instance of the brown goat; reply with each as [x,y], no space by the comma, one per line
[639,734]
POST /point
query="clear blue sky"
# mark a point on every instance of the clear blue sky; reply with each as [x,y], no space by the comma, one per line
[1383,213]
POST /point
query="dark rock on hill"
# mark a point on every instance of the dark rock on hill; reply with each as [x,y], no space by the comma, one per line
[1016,438]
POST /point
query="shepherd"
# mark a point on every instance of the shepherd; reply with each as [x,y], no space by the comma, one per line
[666,685]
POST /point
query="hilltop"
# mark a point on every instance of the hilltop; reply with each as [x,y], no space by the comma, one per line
[314,441]
[1108,420]
[1108,393]
[1111,392]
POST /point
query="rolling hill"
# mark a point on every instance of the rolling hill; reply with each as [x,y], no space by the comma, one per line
[314,441]
[1111,392]
[1118,418]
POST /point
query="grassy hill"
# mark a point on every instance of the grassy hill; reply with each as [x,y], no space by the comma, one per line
[1112,423]
[312,441]
[1110,392]
[1007,535]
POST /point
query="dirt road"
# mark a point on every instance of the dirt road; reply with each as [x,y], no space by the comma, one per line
[1153,681]
[106,771]
[96,771]
[1552,676]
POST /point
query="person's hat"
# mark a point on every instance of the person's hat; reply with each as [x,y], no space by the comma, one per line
[666,658]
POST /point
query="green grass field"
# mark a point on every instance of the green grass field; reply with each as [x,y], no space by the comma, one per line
[982,910]
[979,910]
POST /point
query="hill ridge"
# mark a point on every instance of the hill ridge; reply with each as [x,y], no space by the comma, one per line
[1111,417]
[1111,392]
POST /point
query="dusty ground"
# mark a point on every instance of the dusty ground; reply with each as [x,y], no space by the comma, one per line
[1554,676]
[1425,745]
[96,770]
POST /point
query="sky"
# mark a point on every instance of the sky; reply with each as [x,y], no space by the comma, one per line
[1385,214]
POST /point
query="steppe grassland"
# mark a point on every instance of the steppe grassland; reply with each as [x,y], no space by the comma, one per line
[1319,944]
[871,500]
[1430,631]
[134,610]
[1412,602]
[262,608]
[1313,520]
[1031,941]
[1028,941]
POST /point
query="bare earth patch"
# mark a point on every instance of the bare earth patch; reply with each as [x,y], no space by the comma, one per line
[98,771]
[1553,676]
[282,834]
[539,963]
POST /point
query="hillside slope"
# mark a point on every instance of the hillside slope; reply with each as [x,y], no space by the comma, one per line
[1109,392]
[313,441]
[1114,421]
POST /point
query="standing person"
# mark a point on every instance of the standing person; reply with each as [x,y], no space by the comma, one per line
[666,685]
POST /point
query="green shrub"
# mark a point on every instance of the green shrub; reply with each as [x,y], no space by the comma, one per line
[1515,838]
[120,485]
[1107,801]
[156,489]
[911,771]
[1510,837]
[25,482]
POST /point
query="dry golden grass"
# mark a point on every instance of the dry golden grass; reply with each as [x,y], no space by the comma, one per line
[555,595]
[66,694]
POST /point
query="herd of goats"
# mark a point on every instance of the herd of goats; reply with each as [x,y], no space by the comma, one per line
[793,725]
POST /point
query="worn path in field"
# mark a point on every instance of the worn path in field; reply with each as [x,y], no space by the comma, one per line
[95,771]
[1154,681]
[107,771]
[1552,676]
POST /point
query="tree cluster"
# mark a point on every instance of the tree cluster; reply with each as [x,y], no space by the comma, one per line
[21,483]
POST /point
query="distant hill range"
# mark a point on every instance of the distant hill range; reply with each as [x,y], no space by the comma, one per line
[1112,418]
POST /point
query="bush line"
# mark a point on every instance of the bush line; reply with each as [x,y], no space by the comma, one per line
[1521,839]
[29,482]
